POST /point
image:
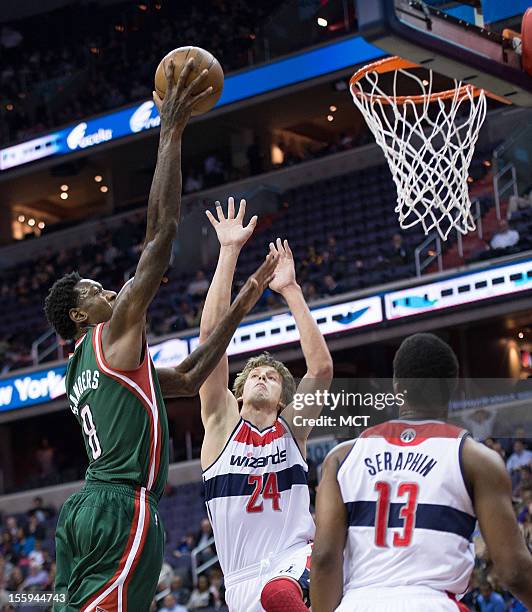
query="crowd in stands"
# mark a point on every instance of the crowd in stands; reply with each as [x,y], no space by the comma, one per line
[27,548]
[326,266]
[52,73]
[338,247]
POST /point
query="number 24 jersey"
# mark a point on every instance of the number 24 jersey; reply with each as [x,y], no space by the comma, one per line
[257,496]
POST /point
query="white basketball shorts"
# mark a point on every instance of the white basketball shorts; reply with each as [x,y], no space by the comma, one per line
[244,588]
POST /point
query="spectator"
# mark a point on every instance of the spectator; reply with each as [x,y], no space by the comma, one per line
[516,203]
[166,575]
[204,535]
[504,238]
[24,544]
[201,596]
[12,526]
[346,141]
[39,511]
[179,591]
[217,588]
[520,457]
[36,556]
[186,545]
[45,456]
[49,586]
[15,581]
[214,172]
[36,579]
[398,254]
[193,182]
[480,423]
[488,601]
[35,529]
[170,605]
[199,286]
[525,481]
[10,38]
[331,287]
[310,292]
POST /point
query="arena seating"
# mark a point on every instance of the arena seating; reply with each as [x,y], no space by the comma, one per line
[340,227]
[109,58]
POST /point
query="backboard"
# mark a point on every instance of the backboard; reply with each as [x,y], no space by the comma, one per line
[459,39]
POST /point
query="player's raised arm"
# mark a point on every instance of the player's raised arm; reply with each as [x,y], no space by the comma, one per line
[190,374]
[317,357]
[174,111]
[326,574]
[492,500]
[232,235]
[121,337]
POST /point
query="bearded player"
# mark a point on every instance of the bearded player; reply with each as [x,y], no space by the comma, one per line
[109,539]
[253,458]
[396,509]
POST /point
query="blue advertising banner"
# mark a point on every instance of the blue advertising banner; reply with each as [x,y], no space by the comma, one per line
[32,388]
[506,280]
[240,86]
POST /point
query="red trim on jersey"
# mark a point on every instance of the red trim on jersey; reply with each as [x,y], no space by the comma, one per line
[392,430]
[151,368]
[79,341]
[137,557]
[110,603]
[459,605]
[141,377]
[246,435]
[309,558]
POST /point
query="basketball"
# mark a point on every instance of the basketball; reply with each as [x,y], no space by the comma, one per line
[203,59]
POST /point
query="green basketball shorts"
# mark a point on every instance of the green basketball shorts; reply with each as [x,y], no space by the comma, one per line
[109,549]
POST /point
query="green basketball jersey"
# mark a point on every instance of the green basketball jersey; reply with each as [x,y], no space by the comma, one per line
[122,416]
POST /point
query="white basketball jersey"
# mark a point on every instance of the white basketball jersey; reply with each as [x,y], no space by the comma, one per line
[257,496]
[410,515]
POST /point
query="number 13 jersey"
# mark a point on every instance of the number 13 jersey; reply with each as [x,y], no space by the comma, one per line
[122,416]
[410,516]
[257,496]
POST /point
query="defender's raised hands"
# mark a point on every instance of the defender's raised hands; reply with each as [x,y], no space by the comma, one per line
[230,230]
[285,273]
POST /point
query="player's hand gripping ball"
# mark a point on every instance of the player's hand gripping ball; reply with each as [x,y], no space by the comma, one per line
[202,60]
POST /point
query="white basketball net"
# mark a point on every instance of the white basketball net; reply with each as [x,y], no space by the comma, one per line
[429,156]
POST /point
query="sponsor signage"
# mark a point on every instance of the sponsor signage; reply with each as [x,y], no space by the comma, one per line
[83,135]
[48,384]
[32,388]
[245,84]
[459,290]
[170,353]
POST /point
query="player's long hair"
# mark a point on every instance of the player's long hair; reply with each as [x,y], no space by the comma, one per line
[265,359]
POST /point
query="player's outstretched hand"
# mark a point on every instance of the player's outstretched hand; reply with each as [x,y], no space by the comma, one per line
[285,272]
[176,107]
[257,282]
[230,230]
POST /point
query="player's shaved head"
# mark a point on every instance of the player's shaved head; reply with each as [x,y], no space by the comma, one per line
[426,368]
[62,297]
